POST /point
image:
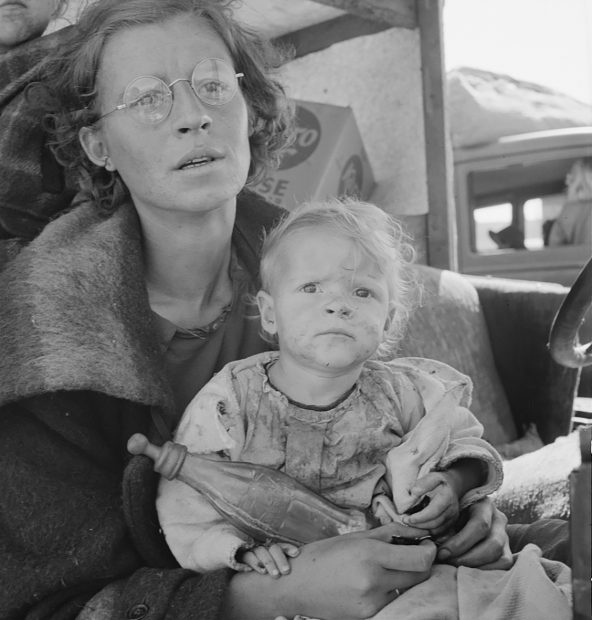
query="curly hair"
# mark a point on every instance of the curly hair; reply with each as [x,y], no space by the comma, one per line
[376,235]
[72,80]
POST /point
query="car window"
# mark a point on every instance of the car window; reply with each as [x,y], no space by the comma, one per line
[490,217]
[513,206]
[539,215]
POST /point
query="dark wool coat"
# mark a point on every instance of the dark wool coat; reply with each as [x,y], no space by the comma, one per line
[80,371]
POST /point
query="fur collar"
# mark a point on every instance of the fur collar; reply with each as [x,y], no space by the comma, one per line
[74,311]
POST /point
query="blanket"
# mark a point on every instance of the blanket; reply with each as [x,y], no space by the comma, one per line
[533,589]
[33,186]
[536,485]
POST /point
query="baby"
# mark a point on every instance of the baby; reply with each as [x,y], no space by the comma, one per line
[392,438]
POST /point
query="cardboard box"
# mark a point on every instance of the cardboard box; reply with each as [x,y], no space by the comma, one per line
[327,159]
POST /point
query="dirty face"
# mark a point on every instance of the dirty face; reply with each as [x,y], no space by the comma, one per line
[23,20]
[329,304]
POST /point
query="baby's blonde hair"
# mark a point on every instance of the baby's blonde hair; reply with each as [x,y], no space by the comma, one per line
[379,238]
[579,180]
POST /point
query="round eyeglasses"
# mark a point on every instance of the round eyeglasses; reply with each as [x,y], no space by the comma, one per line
[150,100]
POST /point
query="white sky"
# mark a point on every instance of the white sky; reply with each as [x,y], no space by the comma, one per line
[543,41]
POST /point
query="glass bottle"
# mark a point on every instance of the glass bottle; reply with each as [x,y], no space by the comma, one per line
[262,502]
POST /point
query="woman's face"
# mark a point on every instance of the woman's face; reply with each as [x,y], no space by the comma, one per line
[154,160]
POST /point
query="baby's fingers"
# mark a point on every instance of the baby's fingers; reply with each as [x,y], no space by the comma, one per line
[435,523]
[250,559]
[427,483]
[261,560]
[267,560]
[290,550]
[441,511]
[278,555]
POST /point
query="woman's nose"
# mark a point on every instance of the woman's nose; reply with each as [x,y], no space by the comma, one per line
[190,113]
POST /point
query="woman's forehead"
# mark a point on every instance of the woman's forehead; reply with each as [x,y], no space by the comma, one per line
[167,50]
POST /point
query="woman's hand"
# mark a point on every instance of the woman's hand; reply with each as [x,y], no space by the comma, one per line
[347,577]
[482,542]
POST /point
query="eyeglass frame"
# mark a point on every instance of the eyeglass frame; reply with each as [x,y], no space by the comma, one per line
[124,106]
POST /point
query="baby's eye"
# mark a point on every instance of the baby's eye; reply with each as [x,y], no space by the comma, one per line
[363,292]
[309,287]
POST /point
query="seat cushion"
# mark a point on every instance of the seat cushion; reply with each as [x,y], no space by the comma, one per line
[449,326]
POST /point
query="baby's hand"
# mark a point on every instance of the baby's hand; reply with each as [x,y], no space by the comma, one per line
[441,512]
[272,560]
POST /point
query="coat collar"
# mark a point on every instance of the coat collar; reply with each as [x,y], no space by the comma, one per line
[74,312]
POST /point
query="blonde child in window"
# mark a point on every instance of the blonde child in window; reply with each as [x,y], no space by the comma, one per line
[390,437]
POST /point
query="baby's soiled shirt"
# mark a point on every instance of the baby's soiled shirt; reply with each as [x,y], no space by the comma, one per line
[338,452]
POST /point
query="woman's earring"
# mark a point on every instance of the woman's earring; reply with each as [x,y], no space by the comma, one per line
[107,163]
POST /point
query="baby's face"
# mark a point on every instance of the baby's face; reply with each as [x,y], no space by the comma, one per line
[23,20]
[329,304]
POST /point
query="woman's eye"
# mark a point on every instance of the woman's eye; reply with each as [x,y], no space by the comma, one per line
[311,287]
[149,99]
[213,89]
[362,292]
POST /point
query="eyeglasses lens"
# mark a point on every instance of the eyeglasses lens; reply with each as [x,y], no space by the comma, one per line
[150,99]
[214,81]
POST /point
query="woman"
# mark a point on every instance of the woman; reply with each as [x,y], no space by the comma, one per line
[117,313]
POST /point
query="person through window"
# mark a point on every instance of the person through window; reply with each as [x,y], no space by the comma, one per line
[573,225]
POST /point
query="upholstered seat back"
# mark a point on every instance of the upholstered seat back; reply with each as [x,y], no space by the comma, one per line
[449,326]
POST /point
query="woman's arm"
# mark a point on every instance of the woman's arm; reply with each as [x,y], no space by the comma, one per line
[348,577]
[64,538]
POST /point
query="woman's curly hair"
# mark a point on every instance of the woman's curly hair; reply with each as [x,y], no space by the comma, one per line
[72,80]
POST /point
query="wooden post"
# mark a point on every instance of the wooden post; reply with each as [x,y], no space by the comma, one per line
[580,481]
[441,221]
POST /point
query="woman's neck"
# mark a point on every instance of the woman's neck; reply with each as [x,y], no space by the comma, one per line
[187,267]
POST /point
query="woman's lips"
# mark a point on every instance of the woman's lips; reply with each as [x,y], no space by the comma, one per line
[199,157]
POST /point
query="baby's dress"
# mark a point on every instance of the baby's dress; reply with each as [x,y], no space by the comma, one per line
[337,451]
